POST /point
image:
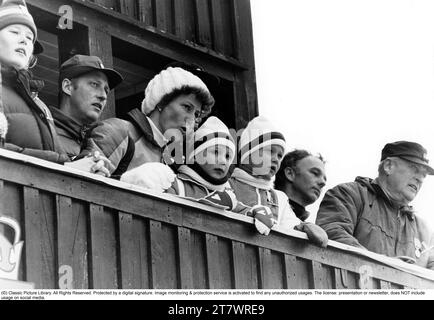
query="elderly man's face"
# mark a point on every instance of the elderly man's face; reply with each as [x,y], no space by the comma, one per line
[405,179]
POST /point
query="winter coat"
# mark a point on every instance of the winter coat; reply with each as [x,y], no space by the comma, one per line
[251,194]
[360,214]
[72,135]
[30,124]
[127,144]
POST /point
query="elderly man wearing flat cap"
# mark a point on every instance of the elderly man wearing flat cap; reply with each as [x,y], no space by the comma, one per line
[375,214]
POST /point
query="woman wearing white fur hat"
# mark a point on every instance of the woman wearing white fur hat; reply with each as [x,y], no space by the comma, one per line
[30,129]
[174,100]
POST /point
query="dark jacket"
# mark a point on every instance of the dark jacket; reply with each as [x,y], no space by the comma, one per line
[360,214]
[30,125]
[72,135]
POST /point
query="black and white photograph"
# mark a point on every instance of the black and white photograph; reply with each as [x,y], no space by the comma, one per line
[216,150]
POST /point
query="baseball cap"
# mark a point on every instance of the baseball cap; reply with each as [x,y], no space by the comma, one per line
[82,64]
[410,151]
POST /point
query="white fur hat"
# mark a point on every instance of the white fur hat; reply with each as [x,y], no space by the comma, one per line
[212,132]
[166,82]
[258,134]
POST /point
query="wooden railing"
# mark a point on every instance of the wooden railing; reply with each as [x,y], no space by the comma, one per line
[85,231]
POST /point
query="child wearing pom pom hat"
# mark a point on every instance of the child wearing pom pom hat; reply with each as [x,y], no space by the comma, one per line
[206,172]
[174,100]
[261,149]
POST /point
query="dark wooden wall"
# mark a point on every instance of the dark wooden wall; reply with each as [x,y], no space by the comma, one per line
[140,37]
[112,237]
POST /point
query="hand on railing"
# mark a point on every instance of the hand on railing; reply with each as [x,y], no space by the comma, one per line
[315,233]
[263,219]
[94,163]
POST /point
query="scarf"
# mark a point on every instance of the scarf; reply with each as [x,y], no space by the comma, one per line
[197,178]
[243,176]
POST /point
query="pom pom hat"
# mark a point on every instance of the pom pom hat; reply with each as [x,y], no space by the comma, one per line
[166,82]
[16,12]
[212,132]
[258,134]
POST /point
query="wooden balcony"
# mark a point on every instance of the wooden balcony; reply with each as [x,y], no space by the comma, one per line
[85,231]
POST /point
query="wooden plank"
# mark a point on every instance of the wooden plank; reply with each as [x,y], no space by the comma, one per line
[198,256]
[316,275]
[264,261]
[203,26]
[180,24]
[385,285]
[238,251]
[141,231]
[129,253]
[146,12]
[250,267]
[39,244]
[218,25]
[163,256]
[212,262]
[129,8]
[102,260]
[184,258]
[100,44]
[163,15]
[72,266]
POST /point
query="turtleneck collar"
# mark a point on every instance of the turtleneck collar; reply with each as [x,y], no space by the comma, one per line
[299,210]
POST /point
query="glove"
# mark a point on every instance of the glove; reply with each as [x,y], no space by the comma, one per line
[315,233]
[225,200]
[152,175]
[263,219]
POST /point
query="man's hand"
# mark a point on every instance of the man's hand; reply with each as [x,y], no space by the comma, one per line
[94,163]
[152,175]
[263,219]
[315,233]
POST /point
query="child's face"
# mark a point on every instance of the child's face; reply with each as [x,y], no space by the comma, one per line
[265,162]
[216,161]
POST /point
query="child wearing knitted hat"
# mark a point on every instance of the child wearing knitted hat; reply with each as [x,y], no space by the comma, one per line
[206,172]
[261,149]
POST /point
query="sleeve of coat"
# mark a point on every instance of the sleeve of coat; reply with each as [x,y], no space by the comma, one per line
[47,155]
[287,218]
[111,138]
[337,214]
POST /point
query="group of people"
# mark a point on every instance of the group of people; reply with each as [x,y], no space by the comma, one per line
[251,174]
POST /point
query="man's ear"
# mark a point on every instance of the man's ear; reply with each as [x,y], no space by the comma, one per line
[66,86]
[388,166]
[289,173]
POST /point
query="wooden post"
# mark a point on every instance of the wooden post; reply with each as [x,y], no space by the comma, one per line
[3,121]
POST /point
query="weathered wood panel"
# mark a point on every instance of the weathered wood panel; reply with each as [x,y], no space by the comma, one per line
[72,250]
[102,257]
[162,243]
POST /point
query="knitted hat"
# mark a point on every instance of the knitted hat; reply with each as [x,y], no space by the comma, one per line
[168,81]
[212,132]
[16,12]
[258,134]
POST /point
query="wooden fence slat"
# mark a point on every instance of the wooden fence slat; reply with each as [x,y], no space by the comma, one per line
[185,261]
[180,23]
[316,275]
[71,231]
[203,23]
[238,265]
[39,242]
[264,262]
[217,25]
[128,7]
[146,12]
[212,261]
[129,253]
[102,260]
[163,267]
[340,279]
[385,285]
[163,15]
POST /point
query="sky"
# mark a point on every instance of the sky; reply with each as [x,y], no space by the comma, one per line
[345,77]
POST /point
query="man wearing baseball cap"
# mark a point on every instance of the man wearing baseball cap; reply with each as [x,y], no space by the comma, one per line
[375,214]
[84,87]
